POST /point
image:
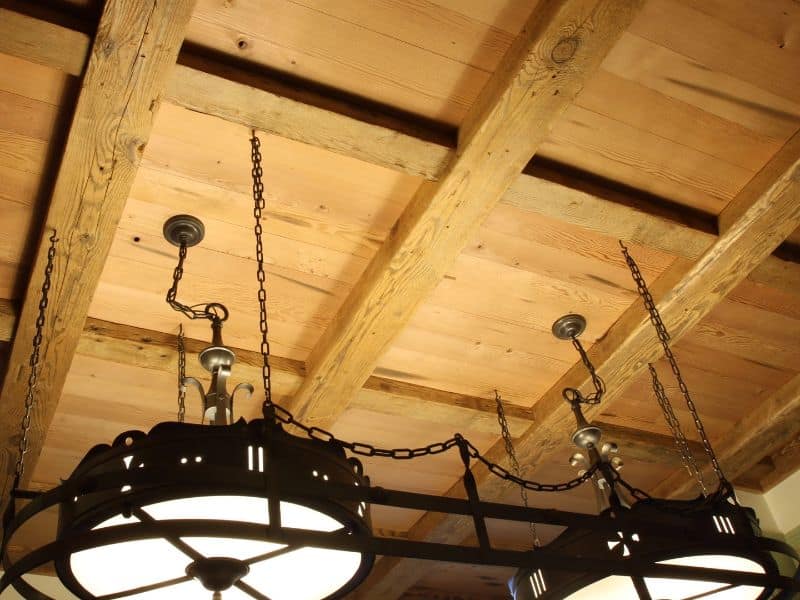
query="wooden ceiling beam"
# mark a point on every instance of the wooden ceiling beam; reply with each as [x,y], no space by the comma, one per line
[43,42]
[785,461]
[147,349]
[250,98]
[558,48]
[615,215]
[684,294]
[136,45]
[305,115]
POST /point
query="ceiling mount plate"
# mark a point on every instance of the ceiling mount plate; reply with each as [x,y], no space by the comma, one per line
[569,326]
[184,229]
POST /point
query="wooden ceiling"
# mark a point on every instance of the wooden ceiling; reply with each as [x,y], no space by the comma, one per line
[444,179]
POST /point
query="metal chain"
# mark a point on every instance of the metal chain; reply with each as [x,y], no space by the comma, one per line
[512,458]
[258,208]
[663,336]
[280,414]
[33,363]
[677,432]
[181,377]
[573,394]
[212,311]
[635,492]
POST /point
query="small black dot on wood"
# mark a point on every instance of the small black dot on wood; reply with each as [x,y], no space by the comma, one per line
[241,44]
[137,239]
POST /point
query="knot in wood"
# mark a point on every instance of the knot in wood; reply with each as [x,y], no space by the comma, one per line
[564,50]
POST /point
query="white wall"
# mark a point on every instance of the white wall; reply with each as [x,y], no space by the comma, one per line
[777,510]
[783,503]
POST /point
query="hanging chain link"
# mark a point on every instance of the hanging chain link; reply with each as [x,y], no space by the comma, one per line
[33,363]
[259,204]
[663,337]
[677,432]
[575,395]
[212,311]
[181,377]
[512,458]
[285,417]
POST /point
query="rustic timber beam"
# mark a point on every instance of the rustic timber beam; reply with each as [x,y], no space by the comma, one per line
[761,433]
[43,42]
[144,348]
[136,45]
[128,345]
[247,96]
[785,461]
[558,48]
[298,111]
[8,320]
[548,193]
[684,294]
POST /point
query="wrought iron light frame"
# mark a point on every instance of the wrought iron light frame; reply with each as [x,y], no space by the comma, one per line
[261,459]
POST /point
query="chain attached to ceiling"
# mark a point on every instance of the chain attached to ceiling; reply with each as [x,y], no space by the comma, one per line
[512,458]
[278,413]
[669,415]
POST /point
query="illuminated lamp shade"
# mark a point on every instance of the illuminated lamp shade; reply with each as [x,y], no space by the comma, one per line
[721,537]
[184,512]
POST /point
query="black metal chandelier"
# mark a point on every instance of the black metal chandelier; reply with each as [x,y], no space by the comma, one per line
[243,510]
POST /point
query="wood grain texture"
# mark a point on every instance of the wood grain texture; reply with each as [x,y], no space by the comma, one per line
[759,434]
[783,160]
[544,69]
[42,42]
[8,320]
[280,115]
[156,351]
[685,293]
[633,224]
[281,110]
[328,46]
[134,49]
[785,462]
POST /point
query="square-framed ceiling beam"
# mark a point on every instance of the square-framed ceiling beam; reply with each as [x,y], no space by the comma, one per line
[685,293]
[134,49]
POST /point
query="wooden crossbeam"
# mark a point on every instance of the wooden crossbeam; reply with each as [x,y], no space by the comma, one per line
[685,293]
[267,104]
[147,349]
[560,46]
[136,45]
[785,461]
[43,42]
[127,345]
